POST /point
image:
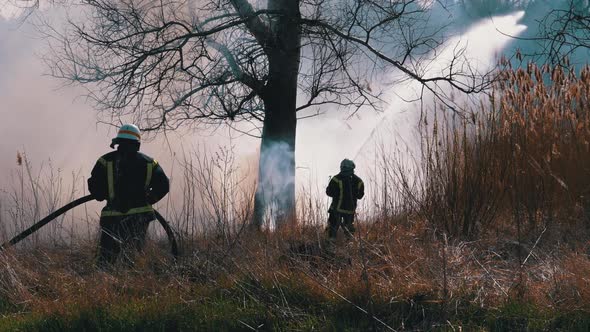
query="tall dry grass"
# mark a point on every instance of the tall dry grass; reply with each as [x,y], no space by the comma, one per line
[545,119]
[517,162]
[32,193]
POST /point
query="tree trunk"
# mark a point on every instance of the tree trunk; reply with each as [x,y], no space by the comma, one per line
[275,193]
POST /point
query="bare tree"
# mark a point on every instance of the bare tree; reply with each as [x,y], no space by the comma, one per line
[167,63]
[565,30]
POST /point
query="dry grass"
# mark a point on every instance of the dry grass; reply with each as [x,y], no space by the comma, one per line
[489,234]
[388,276]
[518,163]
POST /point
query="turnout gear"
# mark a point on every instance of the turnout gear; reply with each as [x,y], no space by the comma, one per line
[336,220]
[130,182]
[345,189]
[122,234]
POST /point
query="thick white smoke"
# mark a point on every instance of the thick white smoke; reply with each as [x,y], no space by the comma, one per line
[276,180]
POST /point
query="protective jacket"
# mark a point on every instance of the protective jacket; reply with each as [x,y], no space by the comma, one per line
[130,182]
[345,189]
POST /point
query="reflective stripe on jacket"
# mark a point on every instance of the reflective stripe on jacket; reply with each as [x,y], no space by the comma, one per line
[130,183]
[345,190]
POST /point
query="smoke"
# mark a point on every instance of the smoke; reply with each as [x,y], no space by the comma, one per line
[9,10]
[35,116]
[276,180]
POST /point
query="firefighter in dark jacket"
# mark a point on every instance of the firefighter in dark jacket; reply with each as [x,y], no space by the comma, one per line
[345,189]
[130,182]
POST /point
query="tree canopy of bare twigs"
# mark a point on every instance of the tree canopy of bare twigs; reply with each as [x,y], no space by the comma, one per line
[167,63]
[565,31]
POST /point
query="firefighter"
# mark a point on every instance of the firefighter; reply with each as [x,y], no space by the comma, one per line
[345,189]
[130,182]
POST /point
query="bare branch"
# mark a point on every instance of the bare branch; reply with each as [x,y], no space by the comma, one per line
[256,26]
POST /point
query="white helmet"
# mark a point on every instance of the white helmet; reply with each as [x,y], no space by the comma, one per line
[130,132]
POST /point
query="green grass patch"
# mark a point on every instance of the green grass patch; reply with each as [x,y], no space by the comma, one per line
[148,315]
[289,306]
[6,306]
[519,316]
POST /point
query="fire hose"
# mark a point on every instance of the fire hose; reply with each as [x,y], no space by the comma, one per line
[167,228]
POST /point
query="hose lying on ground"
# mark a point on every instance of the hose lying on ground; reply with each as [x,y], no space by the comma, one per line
[71,205]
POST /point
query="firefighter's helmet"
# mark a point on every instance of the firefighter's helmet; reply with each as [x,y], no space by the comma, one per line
[347,164]
[130,132]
